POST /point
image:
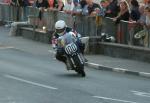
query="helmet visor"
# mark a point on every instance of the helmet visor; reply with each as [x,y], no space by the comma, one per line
[60,30]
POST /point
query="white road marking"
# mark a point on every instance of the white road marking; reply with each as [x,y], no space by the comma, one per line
[6,47]
[142,94]
[111,99]
[119,70]
[30,82]
[94,64]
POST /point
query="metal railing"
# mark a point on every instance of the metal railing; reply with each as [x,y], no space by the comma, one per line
[87,26]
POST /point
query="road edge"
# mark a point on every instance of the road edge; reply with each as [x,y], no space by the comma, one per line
[119,70]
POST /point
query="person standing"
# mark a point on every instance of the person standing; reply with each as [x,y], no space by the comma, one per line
[91,8]
[17,8]
[68,7]
[147,3]
[135,13]
[60,5]
[25,5]
[77,8]
[41,5]
[7,1]
[123,14]
[82,3]
[112,9]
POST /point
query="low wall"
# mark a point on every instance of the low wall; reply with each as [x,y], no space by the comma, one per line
[120,51]
[38,35]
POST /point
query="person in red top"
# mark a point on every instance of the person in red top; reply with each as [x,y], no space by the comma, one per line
[51,4]
[31,2]
[7,1]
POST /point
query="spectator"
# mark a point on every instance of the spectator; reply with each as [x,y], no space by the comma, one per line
[147,3]
[7,2]
[147,26]
[145,22]
[68,7]
[112,9]
[143,16]
[59,5]
[83,3]
[24,6]
[147,13]
[123,14]
[135,14]
[31,2]
[18,5]
[147,9]
[51,3]
[41,4]
[25,3]
[91,8]
[103,4]
[77,8]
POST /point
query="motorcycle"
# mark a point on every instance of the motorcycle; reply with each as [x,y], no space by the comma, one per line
[139,37]
[107,38]
[72,53]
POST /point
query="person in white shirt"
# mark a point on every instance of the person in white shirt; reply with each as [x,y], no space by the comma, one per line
[147,10]
[68,7]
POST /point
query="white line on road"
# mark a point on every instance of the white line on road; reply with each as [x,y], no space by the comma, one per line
[30,82]
[111,99]
[8,47]
[142,94]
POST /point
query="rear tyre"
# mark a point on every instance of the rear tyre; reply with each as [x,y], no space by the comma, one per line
[79,66]
[80,71]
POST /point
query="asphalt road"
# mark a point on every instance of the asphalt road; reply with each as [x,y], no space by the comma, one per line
[27,76]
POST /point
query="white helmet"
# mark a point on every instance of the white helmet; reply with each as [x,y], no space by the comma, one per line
[60,27]
[60,24]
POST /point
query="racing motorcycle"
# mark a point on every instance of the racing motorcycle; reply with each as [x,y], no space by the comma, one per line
[72,53]
[139,37]
[107,38]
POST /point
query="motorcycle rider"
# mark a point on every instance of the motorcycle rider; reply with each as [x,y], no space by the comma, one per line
[61,29]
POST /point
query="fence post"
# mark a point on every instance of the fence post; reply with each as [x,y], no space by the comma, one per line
[148,29]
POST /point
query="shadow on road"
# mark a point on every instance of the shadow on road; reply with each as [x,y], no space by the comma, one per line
[69,75]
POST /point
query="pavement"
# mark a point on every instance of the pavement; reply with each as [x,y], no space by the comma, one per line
[31,74]
[126,66]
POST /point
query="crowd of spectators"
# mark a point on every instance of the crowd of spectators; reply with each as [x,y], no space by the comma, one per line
[127,10]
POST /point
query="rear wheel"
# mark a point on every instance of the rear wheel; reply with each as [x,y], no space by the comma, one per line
[79,65]
[81,71]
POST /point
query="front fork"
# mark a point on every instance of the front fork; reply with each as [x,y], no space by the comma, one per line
[80,58]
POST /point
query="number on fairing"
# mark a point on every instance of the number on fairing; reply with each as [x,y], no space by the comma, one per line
[71,48]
